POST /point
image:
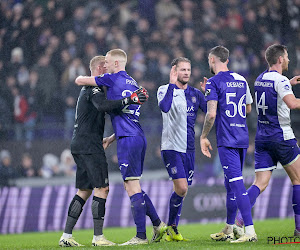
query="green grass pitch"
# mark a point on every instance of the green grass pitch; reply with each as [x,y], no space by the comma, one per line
[197,233]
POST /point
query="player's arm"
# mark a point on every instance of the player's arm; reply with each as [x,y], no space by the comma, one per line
[291,101]
[165,101]
[85,80]
[208,124]
[249,99]
[108,140]
[101,103]
[295,80]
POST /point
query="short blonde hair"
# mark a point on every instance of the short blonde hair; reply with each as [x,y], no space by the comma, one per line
[118,53]
[95,61]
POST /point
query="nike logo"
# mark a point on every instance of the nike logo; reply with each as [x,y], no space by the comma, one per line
[232,199]
[225,167]
[143,203]
[177,205]
[245,193]
[175,95]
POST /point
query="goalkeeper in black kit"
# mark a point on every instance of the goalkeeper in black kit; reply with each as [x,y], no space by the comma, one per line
[88,153]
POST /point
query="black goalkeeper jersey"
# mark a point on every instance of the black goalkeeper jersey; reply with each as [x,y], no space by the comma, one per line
[89,120]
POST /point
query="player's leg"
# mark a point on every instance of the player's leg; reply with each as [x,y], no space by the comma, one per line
[232,160]
[131,152]
[260,183]
[77,203]
[293,171]
[226,233]
[265,163]
[97,170]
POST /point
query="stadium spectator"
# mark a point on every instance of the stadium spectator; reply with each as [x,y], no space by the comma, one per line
[50,167]
[67,163]
[7,171]
[26,168]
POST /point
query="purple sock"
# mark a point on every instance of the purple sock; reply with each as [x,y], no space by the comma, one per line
[231,206]
[242,200]
[138,210]
[150,210]
[296,205]
[253,193]
[175,203]
[178,214]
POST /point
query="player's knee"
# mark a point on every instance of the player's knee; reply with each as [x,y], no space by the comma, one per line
[262,185]
[181,190]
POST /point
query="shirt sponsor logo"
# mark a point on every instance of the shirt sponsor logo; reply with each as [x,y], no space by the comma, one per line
[235,84]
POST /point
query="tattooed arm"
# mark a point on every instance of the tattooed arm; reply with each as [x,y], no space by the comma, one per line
[208,124]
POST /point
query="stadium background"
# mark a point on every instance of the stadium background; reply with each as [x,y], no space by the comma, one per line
[44,45]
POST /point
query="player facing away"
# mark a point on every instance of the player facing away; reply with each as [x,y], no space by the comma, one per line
[179,104]
[131,143]
[275,140]
[228,100]
[88,153]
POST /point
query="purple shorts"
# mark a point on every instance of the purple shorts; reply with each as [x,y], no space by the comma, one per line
[131,154]
[268,153]
[179,165]
[232,161]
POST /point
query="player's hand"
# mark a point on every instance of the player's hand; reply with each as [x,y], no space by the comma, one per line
[295,80]
[108,140]
[173,75]
[205,146]
[203,84]
[139,96]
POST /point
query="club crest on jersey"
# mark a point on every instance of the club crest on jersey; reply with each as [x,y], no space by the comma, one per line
[96,90]
[194,99]
[287,87]
[207,92]
[174,170]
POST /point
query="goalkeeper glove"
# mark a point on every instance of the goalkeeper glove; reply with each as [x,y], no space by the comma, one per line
[137,97]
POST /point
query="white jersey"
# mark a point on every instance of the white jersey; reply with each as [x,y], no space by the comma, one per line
[273,121]
[179,111]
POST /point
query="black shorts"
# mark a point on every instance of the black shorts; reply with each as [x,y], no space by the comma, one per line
[91,171]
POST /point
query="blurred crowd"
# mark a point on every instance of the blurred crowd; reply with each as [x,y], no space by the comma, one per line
[45,45]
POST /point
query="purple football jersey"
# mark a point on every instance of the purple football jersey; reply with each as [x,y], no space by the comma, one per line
[120,85]
[232,92]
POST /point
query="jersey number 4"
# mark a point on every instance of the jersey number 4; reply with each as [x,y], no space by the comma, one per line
[261,104]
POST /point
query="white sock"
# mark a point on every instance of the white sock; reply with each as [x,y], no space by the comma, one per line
[97,237]
[67,236]
[228,229]
[249,230]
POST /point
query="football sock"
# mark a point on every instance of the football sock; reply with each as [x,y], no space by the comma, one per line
[138,210]
[74,212]
[296,205]
[175,203]
[228,228]
[231,206]
[253,193]
[98,212]
[242,200]
[249,230]
[150,210]
[178,214]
